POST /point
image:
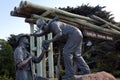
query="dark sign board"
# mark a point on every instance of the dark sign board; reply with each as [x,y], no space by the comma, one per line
[97,35]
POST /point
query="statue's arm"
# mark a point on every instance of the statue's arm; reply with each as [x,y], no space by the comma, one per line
[24,62]
[20,62]
[38,59]
[39,34]
[58,32]
[56,37]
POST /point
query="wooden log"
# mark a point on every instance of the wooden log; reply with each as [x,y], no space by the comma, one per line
[92,26]
[29,20]
[26,6]
[88,24]
[37,8]
[104,21]
[32,41]
[73,19]
[50,57]
[14,13]
[19,13]
[22,12]
[34,16]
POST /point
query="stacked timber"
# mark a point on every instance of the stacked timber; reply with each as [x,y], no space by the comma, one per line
[31,12]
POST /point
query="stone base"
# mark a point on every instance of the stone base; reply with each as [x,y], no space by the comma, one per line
[93,76]
[76,77]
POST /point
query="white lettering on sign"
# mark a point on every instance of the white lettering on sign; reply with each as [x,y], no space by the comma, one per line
[97,35]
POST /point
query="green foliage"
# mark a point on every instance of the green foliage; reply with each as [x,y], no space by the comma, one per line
[105,57]
[6,59]
[4,77]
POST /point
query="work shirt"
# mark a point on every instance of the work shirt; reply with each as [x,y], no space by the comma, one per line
[21,54]
[24,72]
[66,29]
[71,34]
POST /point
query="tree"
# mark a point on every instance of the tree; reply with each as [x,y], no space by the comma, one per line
[6,59]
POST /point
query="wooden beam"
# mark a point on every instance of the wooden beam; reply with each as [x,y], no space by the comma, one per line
[50,58]
[103,21]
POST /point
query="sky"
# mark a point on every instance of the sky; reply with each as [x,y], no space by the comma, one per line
[16,25]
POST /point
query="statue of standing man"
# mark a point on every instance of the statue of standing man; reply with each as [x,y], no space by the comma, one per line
[23,59]
[72,48]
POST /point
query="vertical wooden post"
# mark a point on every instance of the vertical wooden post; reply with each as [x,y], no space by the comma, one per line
[39,65]
[50,58]
[58,64]
[44,62]
[31,37]
[31,48]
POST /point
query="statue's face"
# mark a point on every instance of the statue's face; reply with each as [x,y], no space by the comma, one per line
[40,23]
[25,41]
[41,26]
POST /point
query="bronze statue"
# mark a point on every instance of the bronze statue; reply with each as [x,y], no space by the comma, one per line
[72,48]
[23,59]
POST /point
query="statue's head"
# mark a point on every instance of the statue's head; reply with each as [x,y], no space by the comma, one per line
[24,38]
[41,24]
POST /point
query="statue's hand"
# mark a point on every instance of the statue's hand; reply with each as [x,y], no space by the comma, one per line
[45,44]
[30,56]
[45,50]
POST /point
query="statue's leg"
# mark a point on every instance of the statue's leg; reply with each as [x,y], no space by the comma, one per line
[78,59]
[68,63]
[82,65]
[68,60]
[68,51]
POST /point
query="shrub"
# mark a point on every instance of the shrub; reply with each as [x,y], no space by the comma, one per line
[4,77]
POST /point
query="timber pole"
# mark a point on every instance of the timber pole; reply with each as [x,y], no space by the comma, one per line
[100,19]
[31,49]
